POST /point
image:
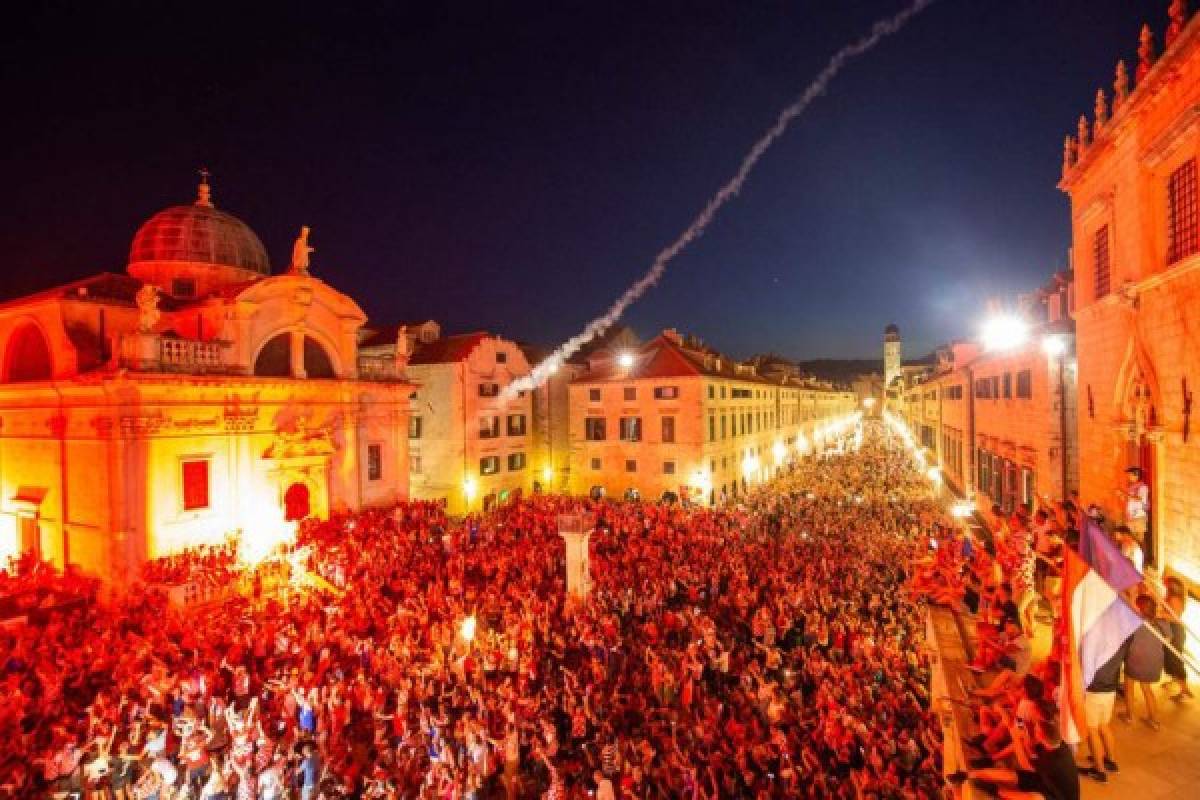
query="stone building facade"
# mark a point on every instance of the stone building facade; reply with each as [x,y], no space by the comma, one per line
[470,444]
[1131,172]
[677,417]
[1001,423]
[194,397]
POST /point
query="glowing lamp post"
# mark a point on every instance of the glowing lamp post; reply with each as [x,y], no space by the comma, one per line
[1004,332]
[469,489]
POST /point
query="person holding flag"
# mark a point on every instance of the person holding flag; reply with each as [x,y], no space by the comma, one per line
[1098,624]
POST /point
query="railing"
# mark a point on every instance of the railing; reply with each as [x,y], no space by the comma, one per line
[378,369]
[190,355]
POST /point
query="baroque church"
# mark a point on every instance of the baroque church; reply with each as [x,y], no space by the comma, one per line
[197,397]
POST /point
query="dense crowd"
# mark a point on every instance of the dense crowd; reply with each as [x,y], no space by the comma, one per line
[761,650]
[1007,585]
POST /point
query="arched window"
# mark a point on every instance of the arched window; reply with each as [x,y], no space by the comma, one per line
[316,360]
[28,357]
[275,359]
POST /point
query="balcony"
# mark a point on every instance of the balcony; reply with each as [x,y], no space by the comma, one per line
[373,368]
[190,355]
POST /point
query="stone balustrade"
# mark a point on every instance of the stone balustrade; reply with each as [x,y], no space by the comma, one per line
[189,355]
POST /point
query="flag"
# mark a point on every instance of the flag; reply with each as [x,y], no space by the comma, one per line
[1097,619]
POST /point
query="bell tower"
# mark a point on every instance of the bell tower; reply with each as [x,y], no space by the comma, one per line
[891,354]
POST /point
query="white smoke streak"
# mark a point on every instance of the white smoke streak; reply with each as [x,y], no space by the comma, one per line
[880,30]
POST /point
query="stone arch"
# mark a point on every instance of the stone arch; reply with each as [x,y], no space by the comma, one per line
[1136,395]
[274,359]
[317,363]
[297,501]
[27,356]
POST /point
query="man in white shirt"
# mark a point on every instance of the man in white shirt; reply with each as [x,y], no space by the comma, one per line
[1137,505]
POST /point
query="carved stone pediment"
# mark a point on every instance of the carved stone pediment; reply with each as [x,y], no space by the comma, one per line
[300,442]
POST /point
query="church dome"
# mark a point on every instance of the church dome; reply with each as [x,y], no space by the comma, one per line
[199,234]
[891,330]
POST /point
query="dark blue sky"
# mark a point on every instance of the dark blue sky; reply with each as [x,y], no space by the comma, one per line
[512,166]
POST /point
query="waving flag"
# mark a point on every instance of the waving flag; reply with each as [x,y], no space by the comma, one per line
[1097,618]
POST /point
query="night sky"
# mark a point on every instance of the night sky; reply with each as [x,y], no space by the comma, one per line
[512,166]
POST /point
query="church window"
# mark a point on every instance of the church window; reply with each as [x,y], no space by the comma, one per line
[414,427]
[274,359]
[1101,267]
[374,462]
[194,474]
[1183,216]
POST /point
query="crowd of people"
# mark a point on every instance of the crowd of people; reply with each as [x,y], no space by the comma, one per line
[761,650]
[1007,583]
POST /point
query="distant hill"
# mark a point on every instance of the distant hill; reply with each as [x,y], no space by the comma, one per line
[845,370]
[841,370]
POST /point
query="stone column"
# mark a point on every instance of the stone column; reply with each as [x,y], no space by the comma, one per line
[576,531]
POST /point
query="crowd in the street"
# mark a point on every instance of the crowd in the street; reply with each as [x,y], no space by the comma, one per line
[758,650]
[1007,584]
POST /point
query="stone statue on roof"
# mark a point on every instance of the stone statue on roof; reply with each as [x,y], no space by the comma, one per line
[300,251]
[147,304]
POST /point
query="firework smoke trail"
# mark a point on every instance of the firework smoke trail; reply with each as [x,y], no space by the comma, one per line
[881,29]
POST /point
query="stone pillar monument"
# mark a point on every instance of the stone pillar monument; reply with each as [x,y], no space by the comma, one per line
[576,531]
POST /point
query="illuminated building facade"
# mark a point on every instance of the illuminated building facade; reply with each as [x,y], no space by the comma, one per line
[674,416]
[194,397]
[1131,173]
[470,444]
[1000,420]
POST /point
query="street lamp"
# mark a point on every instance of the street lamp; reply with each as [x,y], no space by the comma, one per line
[1054,345]
[1004,332]
[868,403]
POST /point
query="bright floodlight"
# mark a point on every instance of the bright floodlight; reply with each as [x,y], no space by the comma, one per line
[868,403]
[779,451]
[625,360]
[1055,345]
[934,474]
[467,631]
[1004,332]
[548,474]
[750,465]
[962,510]
[469,488]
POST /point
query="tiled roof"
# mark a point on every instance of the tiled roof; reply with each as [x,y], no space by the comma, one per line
[661,357]
[448,349]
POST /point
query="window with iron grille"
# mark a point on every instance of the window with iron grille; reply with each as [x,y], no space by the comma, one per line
[1102,269]
[1183,231]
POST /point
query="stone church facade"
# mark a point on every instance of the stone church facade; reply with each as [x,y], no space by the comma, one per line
[1131,175]
[195,397]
